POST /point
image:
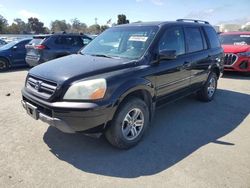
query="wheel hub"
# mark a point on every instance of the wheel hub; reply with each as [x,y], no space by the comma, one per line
[132,124]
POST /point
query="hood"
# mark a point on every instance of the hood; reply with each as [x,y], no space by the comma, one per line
[236,48]
[73,66]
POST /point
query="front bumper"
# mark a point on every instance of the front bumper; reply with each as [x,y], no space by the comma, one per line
[241,65]
[70,117]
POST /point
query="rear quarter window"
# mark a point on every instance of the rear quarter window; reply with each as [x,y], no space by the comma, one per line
[212,37]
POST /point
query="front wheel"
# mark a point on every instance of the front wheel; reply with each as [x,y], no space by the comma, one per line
[208,90]
[129,124]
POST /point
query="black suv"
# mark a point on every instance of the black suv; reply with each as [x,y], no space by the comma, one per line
[47,47]
[114,84]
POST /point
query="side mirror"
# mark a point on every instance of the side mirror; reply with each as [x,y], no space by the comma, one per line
[14,47]
[167,55]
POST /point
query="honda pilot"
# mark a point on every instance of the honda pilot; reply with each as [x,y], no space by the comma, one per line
[115,83]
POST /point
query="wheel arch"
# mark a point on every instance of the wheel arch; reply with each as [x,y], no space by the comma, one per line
[140,88]
[6,59]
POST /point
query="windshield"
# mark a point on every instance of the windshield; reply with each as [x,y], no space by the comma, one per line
[9,45]
[235,39]
[122,42]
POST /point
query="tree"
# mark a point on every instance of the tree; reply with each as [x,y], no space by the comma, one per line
[3,24]
[122,19]
[35,26]
[18,27]
[78,26]
[104,27]
[94,29]
[59,25]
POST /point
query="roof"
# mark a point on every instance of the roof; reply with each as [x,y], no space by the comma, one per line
[161,23]
[236,33]
[59,34]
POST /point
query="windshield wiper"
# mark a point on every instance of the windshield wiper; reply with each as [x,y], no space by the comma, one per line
[101,55]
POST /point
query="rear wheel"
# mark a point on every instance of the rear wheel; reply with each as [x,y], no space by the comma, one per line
[208,90]
[129,124]
[4,65]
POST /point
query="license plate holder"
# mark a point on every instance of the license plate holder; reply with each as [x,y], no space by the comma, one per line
[31,110]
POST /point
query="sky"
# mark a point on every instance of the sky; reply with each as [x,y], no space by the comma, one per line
[214,11]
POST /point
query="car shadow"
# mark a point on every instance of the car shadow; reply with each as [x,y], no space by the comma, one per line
[16,69]
[236,75]
[178,130]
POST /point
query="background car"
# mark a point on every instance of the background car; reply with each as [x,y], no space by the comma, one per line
[236,46]
[47,47]
[2,42]
[13,54]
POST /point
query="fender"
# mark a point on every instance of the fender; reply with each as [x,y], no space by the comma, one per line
[133,85]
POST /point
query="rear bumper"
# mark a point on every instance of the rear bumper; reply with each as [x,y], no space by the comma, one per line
[71,117]
[33,60]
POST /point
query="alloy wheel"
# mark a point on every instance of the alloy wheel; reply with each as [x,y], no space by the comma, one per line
[132,124]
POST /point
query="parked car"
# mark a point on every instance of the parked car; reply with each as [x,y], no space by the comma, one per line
[236,46]
[13,54]
[114,89]
[47,47]
[2,42]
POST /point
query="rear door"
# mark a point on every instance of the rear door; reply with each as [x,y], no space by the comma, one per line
[197,48]
[173,76]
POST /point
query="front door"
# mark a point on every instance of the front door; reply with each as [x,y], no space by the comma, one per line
[18,54]
[172,75]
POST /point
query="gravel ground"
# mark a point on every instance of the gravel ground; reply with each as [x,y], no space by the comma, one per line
[189,144]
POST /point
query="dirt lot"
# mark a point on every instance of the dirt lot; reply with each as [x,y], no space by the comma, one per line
[189,144]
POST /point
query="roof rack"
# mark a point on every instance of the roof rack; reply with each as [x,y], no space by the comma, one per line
[192,20]
[64,33]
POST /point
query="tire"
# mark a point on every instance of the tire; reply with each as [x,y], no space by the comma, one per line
[4,65]
[123,132]
[208,91]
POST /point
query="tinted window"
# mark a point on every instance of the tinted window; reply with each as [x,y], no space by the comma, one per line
[212,37]
[173,39]
[194,39]
[69,41]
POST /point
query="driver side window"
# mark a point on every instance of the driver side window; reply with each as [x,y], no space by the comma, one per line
[173,39]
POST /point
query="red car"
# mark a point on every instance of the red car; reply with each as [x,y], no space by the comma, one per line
[236,46]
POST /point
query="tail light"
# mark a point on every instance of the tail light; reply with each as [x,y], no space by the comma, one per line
[40,47]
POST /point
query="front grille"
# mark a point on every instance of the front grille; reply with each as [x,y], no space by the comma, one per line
[230,59]
[42,88]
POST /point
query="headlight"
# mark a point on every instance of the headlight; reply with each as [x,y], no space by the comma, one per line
[87,90]
[246,54]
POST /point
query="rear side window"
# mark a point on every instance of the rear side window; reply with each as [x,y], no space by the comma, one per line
[69,41]
[212,37]
[173,39]
[194,39]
